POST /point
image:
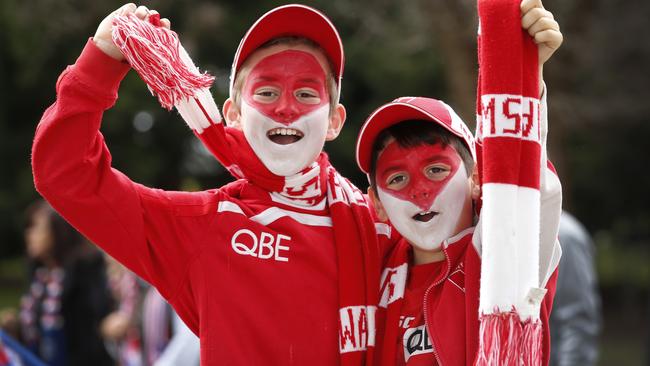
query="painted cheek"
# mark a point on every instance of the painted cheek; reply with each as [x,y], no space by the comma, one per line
[286,72]
[419,190]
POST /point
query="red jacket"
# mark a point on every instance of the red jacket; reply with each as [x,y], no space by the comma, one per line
[256,279]
[451,311]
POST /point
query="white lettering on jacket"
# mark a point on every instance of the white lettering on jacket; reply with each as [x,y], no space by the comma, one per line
[265,246]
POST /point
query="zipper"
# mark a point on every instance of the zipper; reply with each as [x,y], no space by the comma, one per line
[425,306]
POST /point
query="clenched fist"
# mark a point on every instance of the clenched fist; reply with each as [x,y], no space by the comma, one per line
[103,39]
[541,25]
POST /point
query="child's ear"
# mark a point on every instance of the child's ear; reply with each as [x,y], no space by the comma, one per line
[476,184]
[231,114]
[376,203]
[337,119]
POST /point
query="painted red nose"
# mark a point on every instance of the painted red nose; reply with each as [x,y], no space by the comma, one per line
[422,197]
[286,111]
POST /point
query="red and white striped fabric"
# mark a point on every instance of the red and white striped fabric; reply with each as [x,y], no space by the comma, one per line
[509,141]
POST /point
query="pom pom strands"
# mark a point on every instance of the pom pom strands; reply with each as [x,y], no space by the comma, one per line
[158,57]
[507,341]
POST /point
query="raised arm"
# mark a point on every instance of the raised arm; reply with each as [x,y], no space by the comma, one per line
[545,30]
[72,170]
[541,26]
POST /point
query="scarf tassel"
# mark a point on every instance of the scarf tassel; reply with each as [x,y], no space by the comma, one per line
[506,340]
[157,55]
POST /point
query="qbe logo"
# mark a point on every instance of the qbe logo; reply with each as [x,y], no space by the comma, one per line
[416,342]
[263,246]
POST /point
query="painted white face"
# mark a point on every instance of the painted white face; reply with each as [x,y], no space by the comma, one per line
[286,159]
[423,191]
[285,110]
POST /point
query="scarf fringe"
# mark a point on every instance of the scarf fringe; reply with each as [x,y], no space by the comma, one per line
[506,340]
[157,55]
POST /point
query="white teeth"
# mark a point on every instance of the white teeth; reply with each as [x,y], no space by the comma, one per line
[285,132]
[421,214]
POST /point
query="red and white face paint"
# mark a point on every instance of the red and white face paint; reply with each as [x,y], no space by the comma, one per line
[423,190]
[285,110]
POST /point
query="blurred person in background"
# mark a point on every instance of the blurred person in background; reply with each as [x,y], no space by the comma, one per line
[144,329]
[167,341]
[67,295]
[121,328]
[9,322]
[576,316]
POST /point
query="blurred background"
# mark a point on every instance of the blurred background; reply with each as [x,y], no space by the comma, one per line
[599,102]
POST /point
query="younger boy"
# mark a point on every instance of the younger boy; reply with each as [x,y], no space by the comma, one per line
[418,155]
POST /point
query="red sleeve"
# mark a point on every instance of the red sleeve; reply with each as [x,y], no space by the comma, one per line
[545,313]
[72,170]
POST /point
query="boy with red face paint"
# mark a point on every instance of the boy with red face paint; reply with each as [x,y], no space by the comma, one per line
[280,267]
[420,160]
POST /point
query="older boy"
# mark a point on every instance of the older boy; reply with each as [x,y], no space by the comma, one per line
[278,268]
[418,155]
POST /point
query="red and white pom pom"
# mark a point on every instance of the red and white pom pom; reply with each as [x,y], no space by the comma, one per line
[161,61]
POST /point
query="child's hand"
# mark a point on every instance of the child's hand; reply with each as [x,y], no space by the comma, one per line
[539,23]
[103,39]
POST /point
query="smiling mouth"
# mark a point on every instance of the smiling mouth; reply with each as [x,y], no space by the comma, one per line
[284,136]
[424,216]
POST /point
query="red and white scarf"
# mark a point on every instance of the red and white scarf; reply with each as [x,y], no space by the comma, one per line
[509,141]
[156,54]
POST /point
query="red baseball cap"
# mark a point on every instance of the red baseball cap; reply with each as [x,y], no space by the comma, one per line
[404,109]
[292,20]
